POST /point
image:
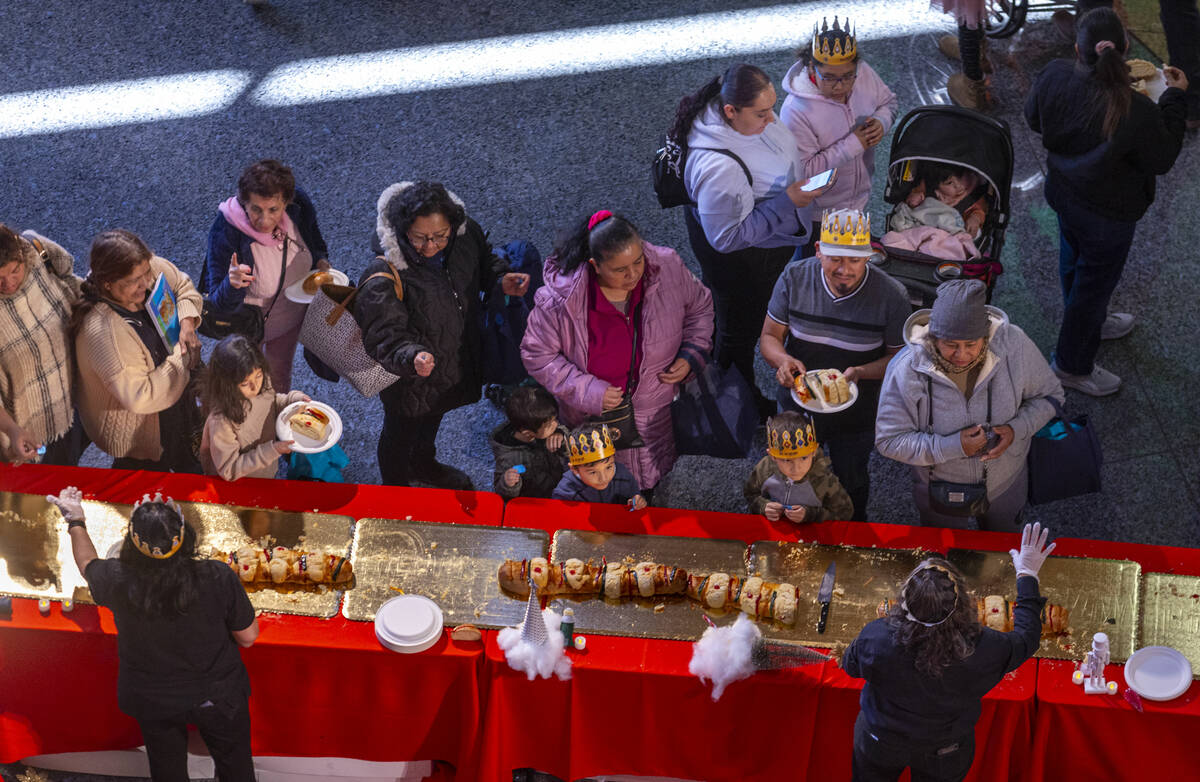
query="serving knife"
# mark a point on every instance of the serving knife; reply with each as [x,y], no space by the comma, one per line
[825,595]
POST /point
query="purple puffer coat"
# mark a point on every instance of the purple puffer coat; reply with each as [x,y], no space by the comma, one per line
[677,322]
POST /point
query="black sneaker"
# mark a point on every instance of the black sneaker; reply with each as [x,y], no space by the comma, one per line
[443,476]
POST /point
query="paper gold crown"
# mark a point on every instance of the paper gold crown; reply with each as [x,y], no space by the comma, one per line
[591,446]
[176,540]
[791,443]
[845,232]
[836,45]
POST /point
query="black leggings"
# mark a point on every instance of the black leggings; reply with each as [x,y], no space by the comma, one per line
[741,283]
[970,48]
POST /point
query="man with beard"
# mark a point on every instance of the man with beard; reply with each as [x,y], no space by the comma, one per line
[835,311]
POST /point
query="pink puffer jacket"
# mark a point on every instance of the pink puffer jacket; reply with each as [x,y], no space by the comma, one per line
[677,321]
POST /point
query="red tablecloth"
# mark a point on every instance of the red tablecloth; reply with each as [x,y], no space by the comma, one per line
[320,687]
[579,738]
[631,707]
[1079,736]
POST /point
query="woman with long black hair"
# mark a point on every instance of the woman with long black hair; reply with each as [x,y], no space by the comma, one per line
[180,620]
[744,174]
[1105,144]
[929,663]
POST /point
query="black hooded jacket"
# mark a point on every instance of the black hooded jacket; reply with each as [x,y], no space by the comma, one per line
[439,313]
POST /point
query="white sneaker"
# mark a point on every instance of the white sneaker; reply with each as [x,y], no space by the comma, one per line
[1100,383]
[1117,325]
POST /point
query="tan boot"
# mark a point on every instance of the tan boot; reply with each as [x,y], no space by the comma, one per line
[948,45]
[969,93]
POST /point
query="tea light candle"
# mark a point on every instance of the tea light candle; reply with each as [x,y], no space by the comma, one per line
[68,605]
[1077,677]
[44,606]
[580,643]
[1112,688]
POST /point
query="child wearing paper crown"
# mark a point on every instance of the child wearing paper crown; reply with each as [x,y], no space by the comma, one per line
[531,448]
[838,110]
[595,476]
[794,481]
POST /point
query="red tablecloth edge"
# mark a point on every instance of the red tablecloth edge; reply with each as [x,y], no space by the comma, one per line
[350,499]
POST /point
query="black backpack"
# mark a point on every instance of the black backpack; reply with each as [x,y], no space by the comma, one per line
[667,172]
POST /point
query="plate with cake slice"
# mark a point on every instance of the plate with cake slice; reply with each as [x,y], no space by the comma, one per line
[311,426]
[824,391]
[302,291]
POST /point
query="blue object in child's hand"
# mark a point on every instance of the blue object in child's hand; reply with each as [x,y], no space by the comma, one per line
[41,450]
[520,468]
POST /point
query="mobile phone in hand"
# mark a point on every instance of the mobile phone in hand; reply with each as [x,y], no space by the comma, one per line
[819,181]
[993,438]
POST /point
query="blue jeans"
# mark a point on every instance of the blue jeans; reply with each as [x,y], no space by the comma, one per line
[882,758]
[1091,256]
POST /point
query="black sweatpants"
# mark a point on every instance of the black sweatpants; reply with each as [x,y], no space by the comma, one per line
[741,283]
[225,729]
[406,443]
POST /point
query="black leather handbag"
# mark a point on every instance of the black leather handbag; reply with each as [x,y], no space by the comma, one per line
[246,319]
[619,420]
[958,499]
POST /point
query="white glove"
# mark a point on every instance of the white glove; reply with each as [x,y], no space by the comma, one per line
[1034,550]
[70,502]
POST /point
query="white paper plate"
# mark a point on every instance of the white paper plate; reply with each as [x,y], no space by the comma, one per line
[820,406]
[295,291]
[1158,673]
[408,624]
[302,444]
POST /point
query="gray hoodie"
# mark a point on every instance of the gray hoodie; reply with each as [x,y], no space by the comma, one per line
[733,213]
[1019,379]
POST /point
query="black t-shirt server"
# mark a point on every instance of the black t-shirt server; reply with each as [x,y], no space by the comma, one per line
[170,664]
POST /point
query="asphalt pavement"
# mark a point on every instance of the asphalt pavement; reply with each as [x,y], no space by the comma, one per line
[142,114]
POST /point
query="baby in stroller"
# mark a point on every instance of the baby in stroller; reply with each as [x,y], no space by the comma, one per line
[959,205]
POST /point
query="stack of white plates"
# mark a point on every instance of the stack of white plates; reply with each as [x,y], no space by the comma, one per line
[408,623]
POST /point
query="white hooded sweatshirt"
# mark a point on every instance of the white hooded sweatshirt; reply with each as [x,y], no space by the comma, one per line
[824,131]
[733,213]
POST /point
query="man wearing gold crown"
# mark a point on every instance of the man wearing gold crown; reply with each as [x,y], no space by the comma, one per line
[595,474]
[838,110]
[835,311]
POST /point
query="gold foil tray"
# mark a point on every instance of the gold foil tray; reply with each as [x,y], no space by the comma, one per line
[225,528]
[865,576]
[35,551]
[1171,615]
[1101,594]
[454,565]
[680,618]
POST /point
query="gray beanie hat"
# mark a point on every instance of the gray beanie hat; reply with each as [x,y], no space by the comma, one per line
[960,310]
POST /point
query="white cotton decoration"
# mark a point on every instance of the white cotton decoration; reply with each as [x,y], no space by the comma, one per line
[723,655]
[537,660]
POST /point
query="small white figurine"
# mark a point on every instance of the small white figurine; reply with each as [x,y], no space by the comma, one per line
[1091,673]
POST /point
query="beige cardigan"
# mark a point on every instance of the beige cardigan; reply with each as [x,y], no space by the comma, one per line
[247,449]
[118,390]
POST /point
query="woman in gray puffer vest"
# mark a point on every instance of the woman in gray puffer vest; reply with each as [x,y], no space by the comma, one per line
[961,403]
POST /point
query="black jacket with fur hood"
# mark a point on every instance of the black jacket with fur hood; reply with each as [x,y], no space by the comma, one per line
[439,313]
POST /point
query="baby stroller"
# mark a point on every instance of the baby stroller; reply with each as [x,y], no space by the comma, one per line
[949,134]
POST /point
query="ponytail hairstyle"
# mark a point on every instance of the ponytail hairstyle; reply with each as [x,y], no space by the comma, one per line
[114,255]
[935,617]
[231,362]
[739,87]
[599,236]
[1100,44]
